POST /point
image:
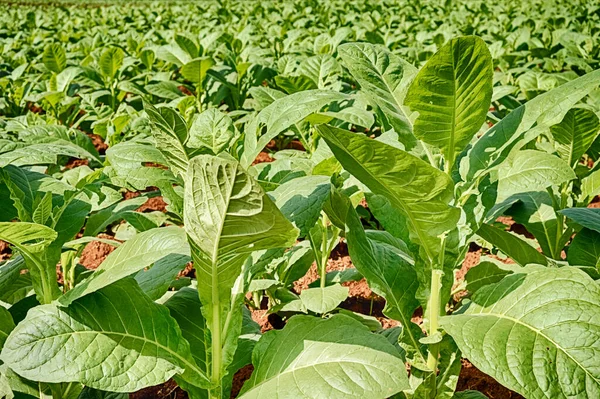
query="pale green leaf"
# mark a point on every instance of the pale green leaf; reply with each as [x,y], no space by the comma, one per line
[115,339]
[212,129]
[111,61]
[452,95]
[513,246]
[54,57]
[385,78]
[227,216]
[323,299]
[195,70]
[336,357]
[301,200]
[575,134]
[169,132]
[283,113]
[420,191]
[531,170]
[535,332]
[135,254]
[523,125]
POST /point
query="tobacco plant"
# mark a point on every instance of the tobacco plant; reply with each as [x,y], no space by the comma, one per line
[411,167]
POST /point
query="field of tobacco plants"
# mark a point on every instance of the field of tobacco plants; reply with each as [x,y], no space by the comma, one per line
[260,199]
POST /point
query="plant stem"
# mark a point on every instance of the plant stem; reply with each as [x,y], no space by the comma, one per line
[434,313]
[324,252]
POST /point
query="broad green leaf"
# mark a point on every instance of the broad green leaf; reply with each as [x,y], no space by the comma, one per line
[5,389]
[43,209]
[90,393]
[535,332]
[10,272]
[319,68]
[488,271]
[323,299]
[336,357]
[156,281]
[165,89]
[452,95]
[587,217]
[135,340]
[531,170]
[535,211]
[170,133]
[590,187]
[187,44]
[227,216]
[135,254]
[54,57]
[385,78]
[420,191]
[128,160]
[21,387]
[195,70]
[174,54]
[32,240]
[43,153]
[391,274]
[111,61]
[294,84]
[585,249]
[98,221]
[6,325]
[265,96]
[283,113]
[513,246]
[575,134]
[301,200]
[212,129]
[523,125]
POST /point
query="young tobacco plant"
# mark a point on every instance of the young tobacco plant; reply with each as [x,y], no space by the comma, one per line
[433,189]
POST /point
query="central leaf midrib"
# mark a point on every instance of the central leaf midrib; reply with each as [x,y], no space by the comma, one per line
[216,302]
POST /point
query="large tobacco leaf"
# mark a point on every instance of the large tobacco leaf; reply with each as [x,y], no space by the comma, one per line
[536,332]
[575,134]
[143,250]
[452,94]
[420,191]
[115,339]
[336,357]
[32,241]
[227,216]
[385,78]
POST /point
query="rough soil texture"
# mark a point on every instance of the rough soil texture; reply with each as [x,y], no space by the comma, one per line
[5,251]
[471,378]
[75,163]
[98,143]
[95,252]
[262,158]
[153,204]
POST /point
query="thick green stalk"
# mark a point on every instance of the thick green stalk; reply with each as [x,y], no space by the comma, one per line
[434,314]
